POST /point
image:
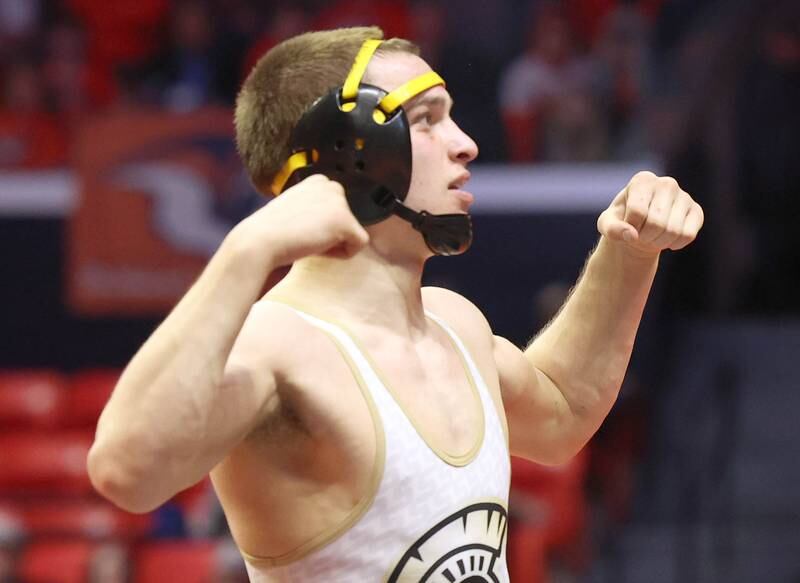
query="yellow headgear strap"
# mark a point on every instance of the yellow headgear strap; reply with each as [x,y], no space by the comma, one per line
[350,88]
[408,90]
[387,105]
[295,161]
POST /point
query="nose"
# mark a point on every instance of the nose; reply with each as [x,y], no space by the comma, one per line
[462,147]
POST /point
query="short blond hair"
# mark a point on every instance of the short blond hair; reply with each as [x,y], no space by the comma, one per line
[283,85]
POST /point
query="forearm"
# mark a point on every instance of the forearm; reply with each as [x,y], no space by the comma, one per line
[169,393]
[586,349]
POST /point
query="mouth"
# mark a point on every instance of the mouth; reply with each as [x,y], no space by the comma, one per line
[465,198]
[458,183]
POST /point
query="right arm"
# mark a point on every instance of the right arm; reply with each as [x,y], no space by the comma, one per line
[181,404]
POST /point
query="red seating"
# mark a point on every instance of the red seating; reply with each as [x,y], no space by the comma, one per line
[31,399]
[56,562]
[46,430]
[187,562]
[77,518]
[527,553]
[560,489]
[53,463]
[44,399]
[87,395]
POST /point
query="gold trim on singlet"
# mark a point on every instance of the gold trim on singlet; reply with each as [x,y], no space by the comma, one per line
[329,535]
[457,460]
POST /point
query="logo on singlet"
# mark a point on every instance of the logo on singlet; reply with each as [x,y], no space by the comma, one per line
[462,548]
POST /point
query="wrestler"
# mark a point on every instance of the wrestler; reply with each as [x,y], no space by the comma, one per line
[357,427]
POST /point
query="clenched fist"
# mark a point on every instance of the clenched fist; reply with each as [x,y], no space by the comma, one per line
[310,218]
[651,214]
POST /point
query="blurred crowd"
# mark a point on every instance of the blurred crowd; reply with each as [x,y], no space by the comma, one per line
[533,79]
[710,87]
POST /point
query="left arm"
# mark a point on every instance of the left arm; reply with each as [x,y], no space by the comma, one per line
[560,389]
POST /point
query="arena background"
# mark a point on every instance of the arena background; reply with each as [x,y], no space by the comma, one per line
[118,178]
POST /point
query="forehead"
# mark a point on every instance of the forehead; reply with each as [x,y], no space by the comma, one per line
[389,71]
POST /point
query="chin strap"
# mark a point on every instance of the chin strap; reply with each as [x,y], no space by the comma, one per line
[449,234]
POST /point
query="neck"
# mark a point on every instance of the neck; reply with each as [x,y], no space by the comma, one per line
[367,290]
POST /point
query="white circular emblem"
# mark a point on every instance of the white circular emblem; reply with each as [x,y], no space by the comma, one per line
[462,548]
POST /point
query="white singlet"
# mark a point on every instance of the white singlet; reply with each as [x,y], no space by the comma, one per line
[433,517]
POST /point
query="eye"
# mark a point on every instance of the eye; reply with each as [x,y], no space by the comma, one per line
[424,118]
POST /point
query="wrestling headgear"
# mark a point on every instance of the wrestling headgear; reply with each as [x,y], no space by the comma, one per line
[359,135]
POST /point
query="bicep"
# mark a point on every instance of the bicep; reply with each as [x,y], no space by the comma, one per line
[243,398]
[536,410]
[179,434]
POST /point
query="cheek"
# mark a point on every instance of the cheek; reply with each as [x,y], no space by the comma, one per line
[423,157]
[422,179]
[421,168]
[419,164]
[428,172]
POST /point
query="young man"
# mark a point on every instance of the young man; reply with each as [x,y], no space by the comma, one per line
[356,426]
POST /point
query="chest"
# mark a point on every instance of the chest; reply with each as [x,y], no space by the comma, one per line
[435,390]
[429,383]
[338,452]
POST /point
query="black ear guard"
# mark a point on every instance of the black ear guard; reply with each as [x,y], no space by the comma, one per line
[350,147]
[359,135]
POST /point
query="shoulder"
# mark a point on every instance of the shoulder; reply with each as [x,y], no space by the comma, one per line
[266,344]
[458,312]
[439,298]
[277,346]
[269,325]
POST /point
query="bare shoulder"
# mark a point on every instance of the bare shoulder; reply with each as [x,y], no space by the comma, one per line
[318,404]
[459,312]
[265,340]
[303,360]
[274,349]
[444,301]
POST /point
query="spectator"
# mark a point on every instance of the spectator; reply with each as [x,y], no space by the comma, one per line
[621,51]
[66,74]
[11,540]
[287,20]
[29,135]
[588,17]
[109,564]
[238,25]
[546,99]
[186,72]
[393,17]
[19,20]
[120,34]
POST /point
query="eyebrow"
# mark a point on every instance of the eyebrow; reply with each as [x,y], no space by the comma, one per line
[430,101]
